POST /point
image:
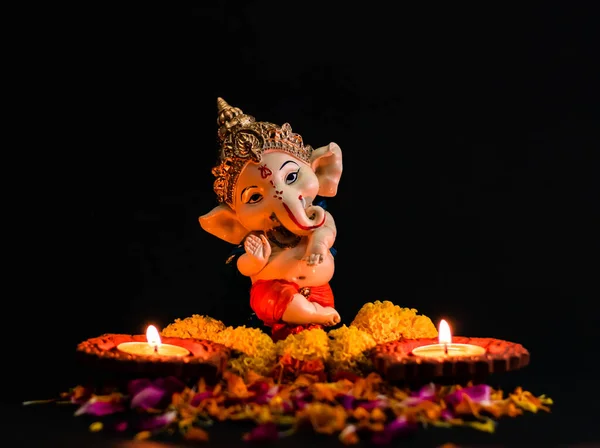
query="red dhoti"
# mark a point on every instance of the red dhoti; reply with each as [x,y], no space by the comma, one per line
[269,300]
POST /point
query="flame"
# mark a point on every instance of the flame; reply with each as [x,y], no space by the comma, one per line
[153,336]
[444,333]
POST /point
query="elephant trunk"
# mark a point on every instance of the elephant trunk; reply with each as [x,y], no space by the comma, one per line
[304,221]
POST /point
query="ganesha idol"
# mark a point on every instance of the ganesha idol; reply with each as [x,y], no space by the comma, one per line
[267,181]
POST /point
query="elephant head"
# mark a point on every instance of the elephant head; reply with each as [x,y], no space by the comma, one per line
[267,178]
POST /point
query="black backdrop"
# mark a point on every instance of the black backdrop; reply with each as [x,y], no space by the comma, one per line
[469,192]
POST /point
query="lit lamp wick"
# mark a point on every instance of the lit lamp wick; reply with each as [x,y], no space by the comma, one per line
[153,337]
[444,335]
[445,348]
[153,346]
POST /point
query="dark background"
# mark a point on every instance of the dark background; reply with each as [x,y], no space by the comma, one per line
[470,188]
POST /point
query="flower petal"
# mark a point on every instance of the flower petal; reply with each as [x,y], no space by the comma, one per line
[99,407]
[267,432]
[196,434]
[136,386]
[479,393]
[150,421]
[148,398]
[426,392]
[170,384]
[392,430]
[346,400]
[369,405]
[200,397]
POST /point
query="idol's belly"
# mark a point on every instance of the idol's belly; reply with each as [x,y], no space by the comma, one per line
[288,265]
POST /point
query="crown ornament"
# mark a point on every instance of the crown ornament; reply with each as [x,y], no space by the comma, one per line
[242,139]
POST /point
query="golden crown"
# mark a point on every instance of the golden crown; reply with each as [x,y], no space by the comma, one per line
[243,139]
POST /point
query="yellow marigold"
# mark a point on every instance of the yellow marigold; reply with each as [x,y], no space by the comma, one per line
[263,365]
[196,326]
[256,349]
[306,345]
[348,346]
[388,322]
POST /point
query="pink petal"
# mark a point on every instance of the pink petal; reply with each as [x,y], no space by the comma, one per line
[200,397]
[151,422]
[121,426]
[392,430]
[346,400]
[478,394]
[136,386]
[427,392]
[148,398]
[447,414]
[369,405]
[99,407]
[267,432]
[170,384]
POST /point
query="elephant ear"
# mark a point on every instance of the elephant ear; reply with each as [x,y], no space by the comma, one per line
[326,162]
[223,223]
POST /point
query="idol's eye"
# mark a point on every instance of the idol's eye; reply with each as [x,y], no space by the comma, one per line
[256,197]
[291,177]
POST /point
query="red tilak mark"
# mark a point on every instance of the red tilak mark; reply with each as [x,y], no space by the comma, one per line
[264,171]
[272,183]
[300,197]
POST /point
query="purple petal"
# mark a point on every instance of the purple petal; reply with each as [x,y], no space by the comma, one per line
[369,405]
[200,397]
[99,407]
[170,384]
[267,432]
[151,422]
[259,387]
[446,414]
[121,426]
[478,394]
[427,392]
[346,400]
[263,392]
[147,398]
[135,386]
[301,398]
[392,430]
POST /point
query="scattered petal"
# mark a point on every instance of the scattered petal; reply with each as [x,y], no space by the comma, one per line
[98,407]
[143,435]
[136,386]
[478,394]
[348,435]
[200,397]
[486,426]
[96,426]
[267,432]
[427,392]
[121,426]
[157,421]
[148,397]
[395,428]
[196,434]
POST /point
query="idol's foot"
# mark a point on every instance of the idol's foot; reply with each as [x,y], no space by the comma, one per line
[326,315]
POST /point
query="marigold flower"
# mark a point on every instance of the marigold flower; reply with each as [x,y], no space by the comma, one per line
[386,322]
[195,326]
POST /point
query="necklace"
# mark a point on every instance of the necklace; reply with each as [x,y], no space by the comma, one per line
[283,238]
